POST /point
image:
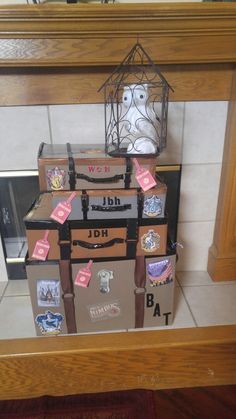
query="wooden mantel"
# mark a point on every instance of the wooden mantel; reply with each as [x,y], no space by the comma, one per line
[61,54]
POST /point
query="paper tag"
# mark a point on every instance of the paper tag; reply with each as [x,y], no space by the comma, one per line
[144,177]
[63,210]
[84,275]
[41,248]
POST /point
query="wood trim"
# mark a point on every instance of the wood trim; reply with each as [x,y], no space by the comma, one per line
[24,86]
[80,35]
[153,360]
[222,254]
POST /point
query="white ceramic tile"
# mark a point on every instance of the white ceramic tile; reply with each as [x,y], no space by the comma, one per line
[16,318]
[204,131]
[17,287]
[199,278]
[212,305]
[3,269]
[11,2]
[182,315]
[22,129]
[173,152]
[196,238]
[199,192]
[81,124]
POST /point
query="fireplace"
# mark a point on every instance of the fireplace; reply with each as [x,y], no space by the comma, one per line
[65,50]
[17,192]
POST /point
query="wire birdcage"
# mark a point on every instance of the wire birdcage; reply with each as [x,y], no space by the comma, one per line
[136,107]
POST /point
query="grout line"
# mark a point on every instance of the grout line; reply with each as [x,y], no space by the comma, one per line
[183,125]
[196,221]
[3,292]
[17,295]
[49,123]
[207,285]
[185,298]
[216,163]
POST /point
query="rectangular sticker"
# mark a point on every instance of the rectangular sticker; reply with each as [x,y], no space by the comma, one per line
[48,292]
[104,311]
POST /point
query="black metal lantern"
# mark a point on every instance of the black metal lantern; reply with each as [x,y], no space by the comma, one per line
[136,107]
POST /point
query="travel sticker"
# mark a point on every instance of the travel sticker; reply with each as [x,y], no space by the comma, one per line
[105,275]
[56,178]
[150,241]
[49,323]
[152,206]
[160,273]
[48,292]
[104,311]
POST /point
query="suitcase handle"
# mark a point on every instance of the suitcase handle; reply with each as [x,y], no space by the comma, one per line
[111,209]
[97,245]
[114,178]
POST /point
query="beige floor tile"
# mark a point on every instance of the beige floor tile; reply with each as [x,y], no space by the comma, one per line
[16,318]
[182,315]
[17,287]
[196,238]
[198,278]
[212,305]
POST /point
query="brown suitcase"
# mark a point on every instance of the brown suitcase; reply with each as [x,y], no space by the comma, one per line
[95,238]
[120,295]
[75,167]
[112,203]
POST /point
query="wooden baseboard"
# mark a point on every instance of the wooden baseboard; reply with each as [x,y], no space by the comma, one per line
[157,359]
[221,268]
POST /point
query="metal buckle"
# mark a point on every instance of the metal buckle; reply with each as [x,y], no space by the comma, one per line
[68,295]
[140,291]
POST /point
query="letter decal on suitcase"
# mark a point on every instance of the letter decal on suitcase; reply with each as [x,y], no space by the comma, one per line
[155,306]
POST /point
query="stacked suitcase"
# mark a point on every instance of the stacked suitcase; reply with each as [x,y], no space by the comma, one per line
[105,263]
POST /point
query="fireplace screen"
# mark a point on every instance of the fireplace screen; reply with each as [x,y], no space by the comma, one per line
[17,192]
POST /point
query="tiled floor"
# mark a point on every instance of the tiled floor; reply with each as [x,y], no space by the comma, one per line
[198,302]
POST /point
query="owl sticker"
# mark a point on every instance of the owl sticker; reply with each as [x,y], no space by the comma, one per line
[139,120]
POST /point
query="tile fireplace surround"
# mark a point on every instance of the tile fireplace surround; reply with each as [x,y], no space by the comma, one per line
[56,57]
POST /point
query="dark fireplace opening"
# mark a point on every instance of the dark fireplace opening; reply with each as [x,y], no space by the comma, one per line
[18,190]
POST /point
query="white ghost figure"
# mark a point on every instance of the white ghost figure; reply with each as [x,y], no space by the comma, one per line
[139,120]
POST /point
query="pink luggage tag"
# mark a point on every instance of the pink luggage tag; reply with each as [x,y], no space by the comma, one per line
[41,248]
[84,275]
[144,177]
[63,210]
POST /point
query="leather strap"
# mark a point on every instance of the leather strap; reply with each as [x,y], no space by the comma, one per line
[111,179]
[128,173]
[131,237]
[68,295]
[66,277]
[140,200]
[140,290]
[109,208]
[71,165]
[85,204]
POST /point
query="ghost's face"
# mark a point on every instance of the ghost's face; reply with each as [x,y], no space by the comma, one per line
[135,95]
